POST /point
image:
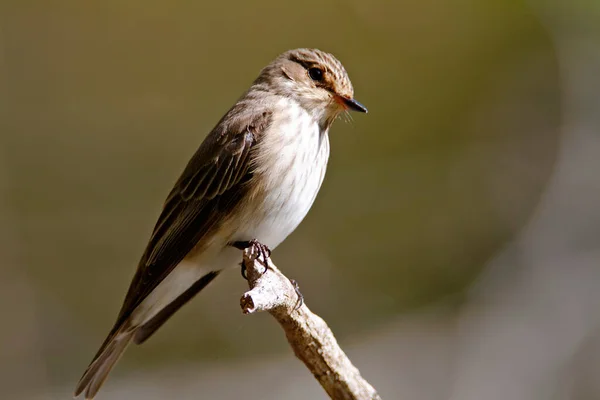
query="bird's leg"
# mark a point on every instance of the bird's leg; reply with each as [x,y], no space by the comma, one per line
[263,251]
[300,300]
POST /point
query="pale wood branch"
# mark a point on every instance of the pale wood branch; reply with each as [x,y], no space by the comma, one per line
[308,335]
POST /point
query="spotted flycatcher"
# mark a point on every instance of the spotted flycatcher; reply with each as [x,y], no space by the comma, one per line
[253,179]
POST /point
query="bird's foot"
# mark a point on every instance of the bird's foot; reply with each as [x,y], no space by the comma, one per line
[263,252]
[300,300]
[243,270]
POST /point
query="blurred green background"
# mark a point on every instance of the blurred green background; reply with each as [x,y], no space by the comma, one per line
[102,104]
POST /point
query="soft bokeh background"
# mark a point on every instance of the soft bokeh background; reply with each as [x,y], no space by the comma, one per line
[454,248]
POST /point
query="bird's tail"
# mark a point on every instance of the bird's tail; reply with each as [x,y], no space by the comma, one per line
[106,358]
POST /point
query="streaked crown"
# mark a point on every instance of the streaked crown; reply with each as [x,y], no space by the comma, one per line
[335,77]
[315,79]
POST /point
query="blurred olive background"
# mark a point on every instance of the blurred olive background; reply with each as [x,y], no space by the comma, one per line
[103,103]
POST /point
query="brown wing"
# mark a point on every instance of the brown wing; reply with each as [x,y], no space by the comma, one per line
[211,186]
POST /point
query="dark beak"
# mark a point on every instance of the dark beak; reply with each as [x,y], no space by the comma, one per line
[354,105]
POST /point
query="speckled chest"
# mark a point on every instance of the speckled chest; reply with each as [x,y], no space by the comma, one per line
[290,167]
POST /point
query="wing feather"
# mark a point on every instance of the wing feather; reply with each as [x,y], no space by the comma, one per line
[212,184]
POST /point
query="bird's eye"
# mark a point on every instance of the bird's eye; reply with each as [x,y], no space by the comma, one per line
[316,74]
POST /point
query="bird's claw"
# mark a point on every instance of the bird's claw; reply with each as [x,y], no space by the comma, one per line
[300,300]
[243,270]
[262,250]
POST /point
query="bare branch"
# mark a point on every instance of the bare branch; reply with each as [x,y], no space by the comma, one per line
[308,335]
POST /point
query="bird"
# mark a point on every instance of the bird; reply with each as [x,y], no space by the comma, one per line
[252,180]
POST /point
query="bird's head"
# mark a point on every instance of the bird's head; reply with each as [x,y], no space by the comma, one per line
[315,79]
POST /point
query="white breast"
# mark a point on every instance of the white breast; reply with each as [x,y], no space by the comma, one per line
[292,162]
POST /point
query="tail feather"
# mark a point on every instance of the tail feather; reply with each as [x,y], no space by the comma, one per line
[137,327]
[148,328]
[105,360]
